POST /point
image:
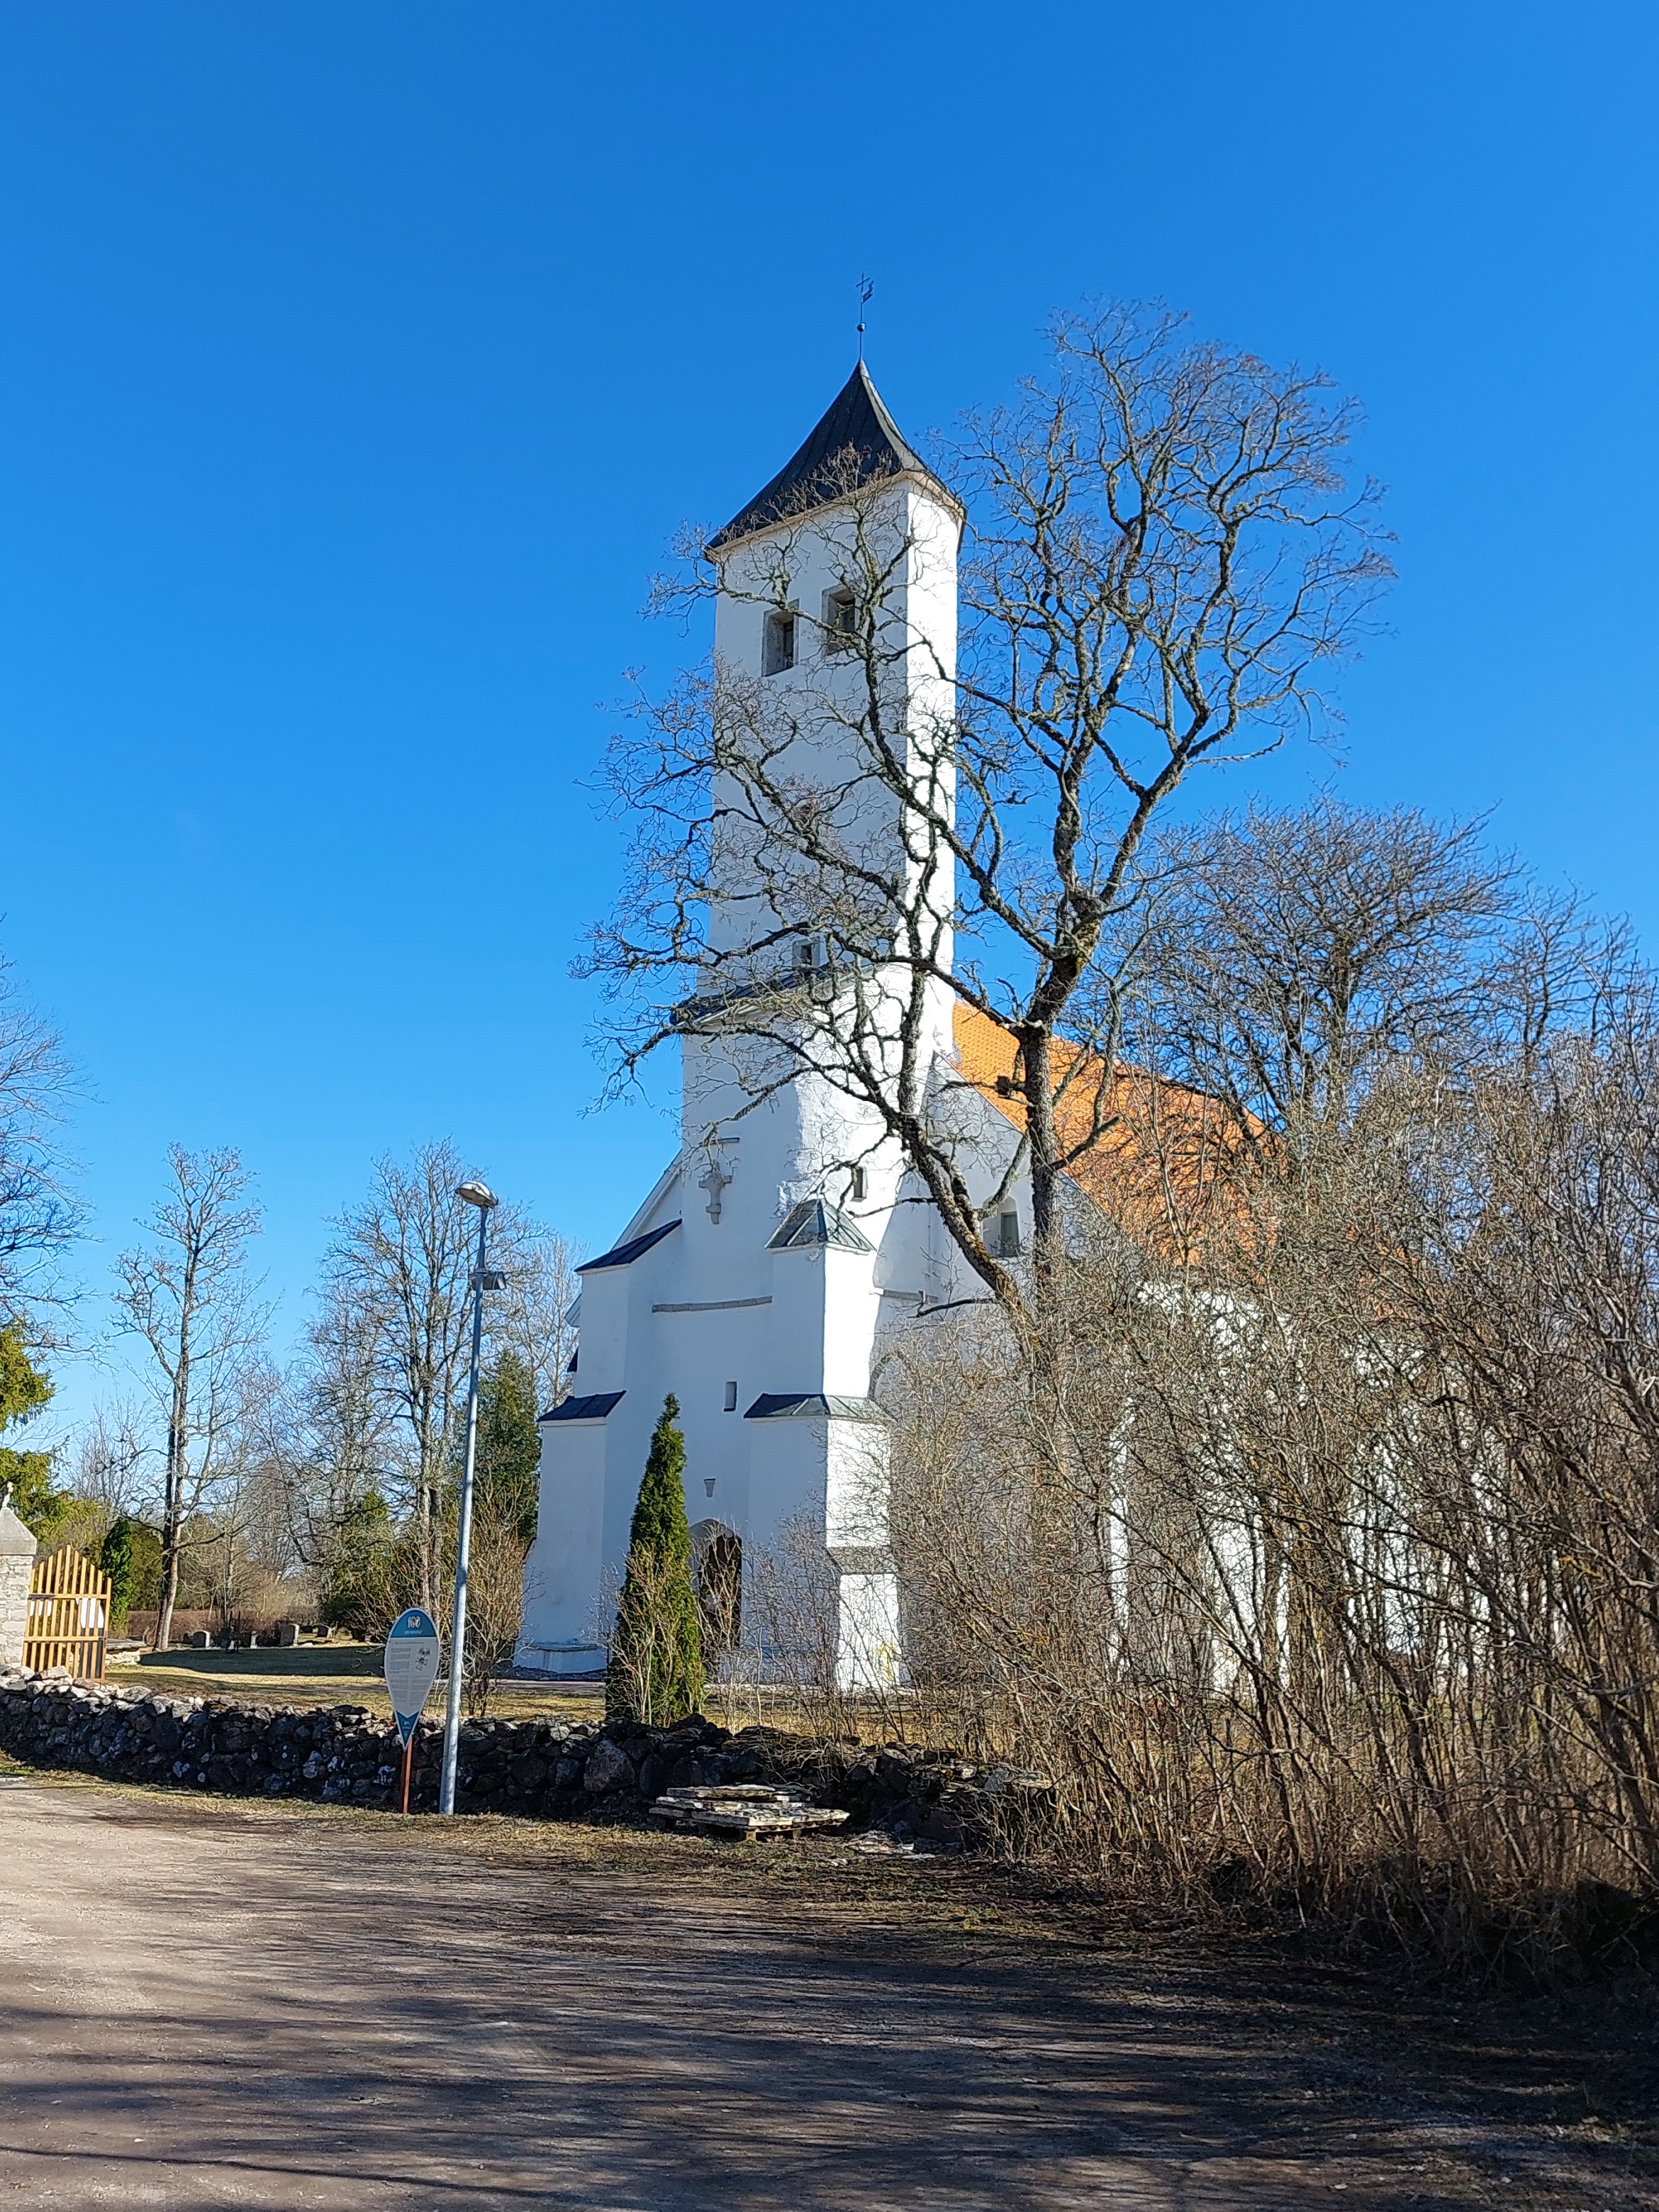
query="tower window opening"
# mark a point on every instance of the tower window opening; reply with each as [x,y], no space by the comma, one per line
[839,619]
[731,1397]
[1003,1238]
[857,1192]
[778,645]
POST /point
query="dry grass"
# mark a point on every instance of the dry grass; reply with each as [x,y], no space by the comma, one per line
[337,1673]
[331,1674]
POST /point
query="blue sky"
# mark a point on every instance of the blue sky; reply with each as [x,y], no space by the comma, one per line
[359,362]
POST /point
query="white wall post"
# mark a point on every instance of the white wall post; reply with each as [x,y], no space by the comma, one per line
[17,1551]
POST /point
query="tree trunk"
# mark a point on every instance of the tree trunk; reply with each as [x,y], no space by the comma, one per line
[425,1488]
[1037,1061]
[169,1587]
[173,1506]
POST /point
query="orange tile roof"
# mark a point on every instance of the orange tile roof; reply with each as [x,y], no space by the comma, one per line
[1164,1153]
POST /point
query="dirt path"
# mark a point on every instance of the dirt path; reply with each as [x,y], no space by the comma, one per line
[221,2005]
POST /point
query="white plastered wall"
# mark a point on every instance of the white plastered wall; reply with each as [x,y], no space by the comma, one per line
[711,1305]
[564,1574]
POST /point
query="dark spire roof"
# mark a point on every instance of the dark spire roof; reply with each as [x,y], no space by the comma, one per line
[856,420]
[813,1222]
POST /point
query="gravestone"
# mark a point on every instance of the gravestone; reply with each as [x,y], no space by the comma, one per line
[17,1550]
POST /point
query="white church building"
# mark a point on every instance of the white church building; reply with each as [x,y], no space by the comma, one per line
[757,1280]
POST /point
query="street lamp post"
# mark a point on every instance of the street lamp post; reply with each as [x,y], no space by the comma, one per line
[481,1195]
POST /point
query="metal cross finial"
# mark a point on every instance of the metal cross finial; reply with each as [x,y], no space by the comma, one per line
[866,293]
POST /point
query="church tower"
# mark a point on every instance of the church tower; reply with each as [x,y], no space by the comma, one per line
[754,1282]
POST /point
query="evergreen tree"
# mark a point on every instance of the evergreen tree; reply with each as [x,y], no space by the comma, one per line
[23,1390]
[655,1673]
[130,1555]
[364,1575]
[507,1467]
[144,1584]
[115,1560]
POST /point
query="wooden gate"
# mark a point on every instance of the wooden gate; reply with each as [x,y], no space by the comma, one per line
[68,1614]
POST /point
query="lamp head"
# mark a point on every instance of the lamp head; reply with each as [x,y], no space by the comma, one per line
[477,1193]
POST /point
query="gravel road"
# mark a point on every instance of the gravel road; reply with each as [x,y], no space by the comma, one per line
[228,2005]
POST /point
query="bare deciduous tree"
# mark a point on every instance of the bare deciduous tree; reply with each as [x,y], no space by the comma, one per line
[402,1265]
[530,1314]
[250,1556]
[39,1217]
[330,1425]
[1162,558]
[108,1464]
[494,1598]
[391,1359]
[1285,955]
[1287,958]
[186,1296]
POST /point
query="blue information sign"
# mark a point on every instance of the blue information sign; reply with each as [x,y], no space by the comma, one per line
[412,1651]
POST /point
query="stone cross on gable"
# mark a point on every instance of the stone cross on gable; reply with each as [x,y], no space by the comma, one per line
[714,1183]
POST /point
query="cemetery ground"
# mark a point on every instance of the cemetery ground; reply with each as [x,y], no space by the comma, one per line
[218,2002]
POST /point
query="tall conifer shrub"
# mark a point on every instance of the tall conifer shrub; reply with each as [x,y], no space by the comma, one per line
[655,1674]
[115,1560]
[130,1555]
[509,1449]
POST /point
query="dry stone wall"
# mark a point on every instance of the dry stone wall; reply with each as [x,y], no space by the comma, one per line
[544,1769]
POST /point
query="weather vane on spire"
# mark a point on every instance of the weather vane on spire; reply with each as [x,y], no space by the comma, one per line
[866,293]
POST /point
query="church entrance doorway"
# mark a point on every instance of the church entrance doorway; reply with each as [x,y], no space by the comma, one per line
[717,1560]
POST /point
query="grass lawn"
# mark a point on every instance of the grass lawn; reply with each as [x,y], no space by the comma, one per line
[335,1673]
[329,1674]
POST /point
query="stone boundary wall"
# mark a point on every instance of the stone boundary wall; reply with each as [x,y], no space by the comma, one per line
[542,1769]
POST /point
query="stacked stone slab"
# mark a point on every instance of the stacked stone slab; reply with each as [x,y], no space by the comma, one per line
[742,1809]
[17,1550]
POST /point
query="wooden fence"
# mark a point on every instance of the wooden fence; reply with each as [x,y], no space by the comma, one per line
[69,1615]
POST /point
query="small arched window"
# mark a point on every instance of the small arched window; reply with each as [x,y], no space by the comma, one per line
[1002,1234]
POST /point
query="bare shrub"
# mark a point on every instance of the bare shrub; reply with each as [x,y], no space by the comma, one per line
[1312,1549]
[791,1632]
[494,1590]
